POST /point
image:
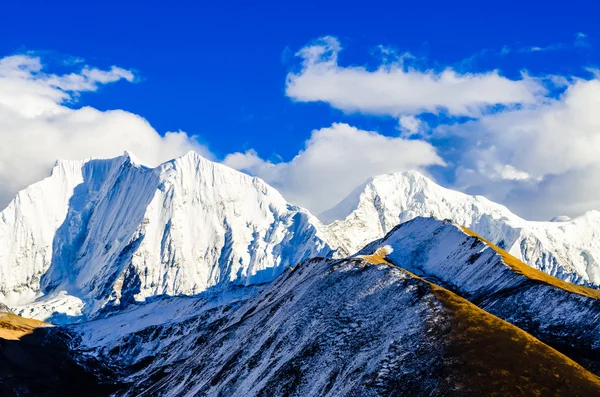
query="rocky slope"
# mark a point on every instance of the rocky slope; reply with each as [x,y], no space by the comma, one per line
[561,314]
[100,234]
[41,363]
[333,328]
[566,248]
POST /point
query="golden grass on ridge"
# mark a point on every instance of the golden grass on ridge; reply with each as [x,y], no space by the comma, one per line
[13,327]
[534,274]
[492,357]
[378,257]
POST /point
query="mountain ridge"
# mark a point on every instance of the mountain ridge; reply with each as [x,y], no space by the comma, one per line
[558,313]
[422,311]
[565,249]
[340,327]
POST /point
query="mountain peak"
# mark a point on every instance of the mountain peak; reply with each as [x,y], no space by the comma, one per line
[133,158]
[197,161]
[391,181]
[62,166]
[113,232]
[192,155]
[129,156]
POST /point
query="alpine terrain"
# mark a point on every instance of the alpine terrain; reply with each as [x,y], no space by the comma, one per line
[193,279]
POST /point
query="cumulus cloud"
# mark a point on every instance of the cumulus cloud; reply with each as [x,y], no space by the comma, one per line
[541,161]
[334,161]
[37,126]
[396,89]
[539,157]
[522,140]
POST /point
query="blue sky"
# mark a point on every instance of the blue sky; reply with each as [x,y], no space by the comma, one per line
[218,72]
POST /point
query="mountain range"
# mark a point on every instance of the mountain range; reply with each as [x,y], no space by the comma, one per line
[99,234]
[192,278]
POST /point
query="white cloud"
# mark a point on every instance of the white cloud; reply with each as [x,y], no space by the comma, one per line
[36,126]
[334,161]
[507,152]
[409,125]
[540,158]
[511,173]
[394,89]
[550,47]
[545,150]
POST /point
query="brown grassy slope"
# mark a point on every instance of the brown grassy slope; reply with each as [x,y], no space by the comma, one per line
[485,355]
[13,327]
[489,356]
[534,274]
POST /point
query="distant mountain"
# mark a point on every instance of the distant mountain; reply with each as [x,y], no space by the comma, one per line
[566,248]
[100,234]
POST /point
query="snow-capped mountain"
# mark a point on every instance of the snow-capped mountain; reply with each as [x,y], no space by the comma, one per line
[100,233]
[566,248]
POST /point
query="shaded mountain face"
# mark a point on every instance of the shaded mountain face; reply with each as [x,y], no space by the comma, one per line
[558,313]
[100,234]
[41,363]
[332,328]
[565,248]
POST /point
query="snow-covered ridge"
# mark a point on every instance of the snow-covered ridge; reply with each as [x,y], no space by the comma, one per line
[556,312]
[569,249]
[112,231]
